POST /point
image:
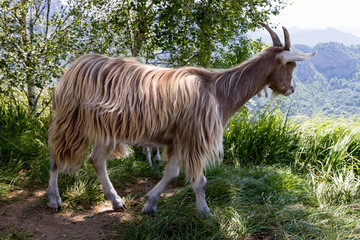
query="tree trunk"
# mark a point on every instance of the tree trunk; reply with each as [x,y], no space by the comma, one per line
[31,89]
[31,96]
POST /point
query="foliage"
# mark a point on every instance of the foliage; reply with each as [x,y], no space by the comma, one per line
[33,43]
[38,39]
[189,32]
[262,137]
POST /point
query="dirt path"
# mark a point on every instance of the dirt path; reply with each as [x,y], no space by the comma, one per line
[31,214]
[28,211]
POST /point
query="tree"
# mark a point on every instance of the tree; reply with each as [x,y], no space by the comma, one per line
[211,28]
[209,33]
[37,40]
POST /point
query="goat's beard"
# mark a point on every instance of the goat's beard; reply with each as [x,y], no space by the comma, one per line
[266,89]
[273,96]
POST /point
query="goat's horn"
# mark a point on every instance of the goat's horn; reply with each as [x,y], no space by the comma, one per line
[287,39]
[274,36]
[288,56]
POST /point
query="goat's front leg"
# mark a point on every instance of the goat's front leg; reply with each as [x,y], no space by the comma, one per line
[98,160]
[171,172]
[199,188]
[53,189]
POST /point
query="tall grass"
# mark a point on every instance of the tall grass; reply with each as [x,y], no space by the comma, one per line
[261,138]
[329,145]
[23,145]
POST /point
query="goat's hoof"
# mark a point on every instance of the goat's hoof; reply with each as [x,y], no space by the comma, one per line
[149,209]
[205,215]
[55,204]
[119,205]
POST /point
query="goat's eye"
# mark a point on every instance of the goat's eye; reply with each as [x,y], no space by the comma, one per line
[291,64]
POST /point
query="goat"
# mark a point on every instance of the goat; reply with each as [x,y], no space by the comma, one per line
[155,152]
[113,103]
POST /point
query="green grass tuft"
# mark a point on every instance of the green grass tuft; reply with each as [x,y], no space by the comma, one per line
[260,138]
[15,234]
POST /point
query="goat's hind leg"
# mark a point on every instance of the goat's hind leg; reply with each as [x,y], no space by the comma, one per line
[53,189]
[157,156]
[98,160]
[170,173]
[148,155]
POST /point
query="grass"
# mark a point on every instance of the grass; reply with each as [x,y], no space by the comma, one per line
[261,138]
[254,202]
[15,234]
[281,179]
[329,145]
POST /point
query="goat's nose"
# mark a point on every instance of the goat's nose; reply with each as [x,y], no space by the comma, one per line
[292,83]
[290,91]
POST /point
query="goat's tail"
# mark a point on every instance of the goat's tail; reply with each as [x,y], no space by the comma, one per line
[68,133]
[67,140]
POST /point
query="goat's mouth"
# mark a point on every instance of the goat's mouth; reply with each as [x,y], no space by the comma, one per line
[290,91]
[286,93]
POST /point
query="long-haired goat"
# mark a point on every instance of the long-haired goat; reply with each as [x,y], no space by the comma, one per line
[112,102]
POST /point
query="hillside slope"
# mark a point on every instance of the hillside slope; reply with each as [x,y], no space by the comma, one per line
[329,83]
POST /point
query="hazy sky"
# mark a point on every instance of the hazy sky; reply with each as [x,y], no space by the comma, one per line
[320,14]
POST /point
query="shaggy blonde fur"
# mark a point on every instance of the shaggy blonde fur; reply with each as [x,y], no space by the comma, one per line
[115,102]
[118,102]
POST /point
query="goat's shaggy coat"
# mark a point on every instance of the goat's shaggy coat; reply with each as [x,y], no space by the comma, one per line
[119,101]
[114,102]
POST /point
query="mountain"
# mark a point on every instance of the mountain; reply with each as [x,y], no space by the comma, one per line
[312,37]
[328,84]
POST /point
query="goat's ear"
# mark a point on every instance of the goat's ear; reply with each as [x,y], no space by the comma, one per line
[288,56]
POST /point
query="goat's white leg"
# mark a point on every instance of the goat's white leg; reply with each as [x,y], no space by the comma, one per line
[53,190]
[157,156]
[98,160]
[148,155]
[171,172]
[199,188]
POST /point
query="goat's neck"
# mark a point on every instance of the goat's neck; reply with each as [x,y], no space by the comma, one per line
[237,86]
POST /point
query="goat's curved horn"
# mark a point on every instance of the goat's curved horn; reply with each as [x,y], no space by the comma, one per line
[287,39]
[274,36]
[288,56]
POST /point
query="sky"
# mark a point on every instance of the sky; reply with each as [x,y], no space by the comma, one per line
[320,14]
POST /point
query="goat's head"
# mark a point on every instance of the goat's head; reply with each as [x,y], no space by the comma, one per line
[280,79]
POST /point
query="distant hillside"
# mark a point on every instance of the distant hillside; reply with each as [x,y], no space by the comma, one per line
[329,83]
[312,37]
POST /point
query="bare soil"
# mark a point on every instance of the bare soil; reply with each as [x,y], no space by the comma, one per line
[27,211]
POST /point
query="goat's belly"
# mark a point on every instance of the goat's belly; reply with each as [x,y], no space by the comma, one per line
[150,142]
